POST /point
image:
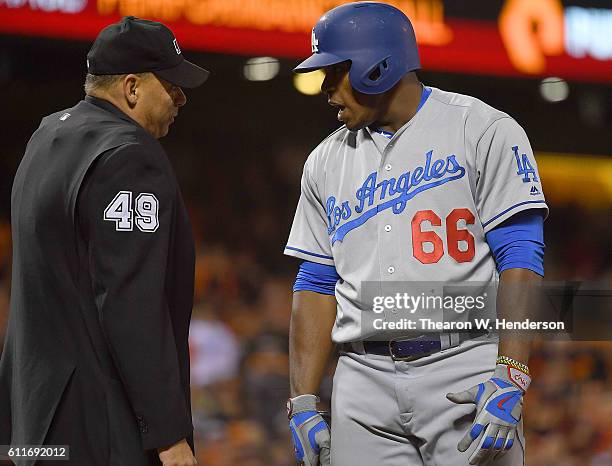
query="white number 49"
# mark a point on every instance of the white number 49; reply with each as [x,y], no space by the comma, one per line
[120,211]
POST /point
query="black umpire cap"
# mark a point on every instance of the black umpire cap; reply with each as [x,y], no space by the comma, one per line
[135,45]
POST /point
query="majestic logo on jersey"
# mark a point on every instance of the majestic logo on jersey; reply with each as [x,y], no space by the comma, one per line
[403,188]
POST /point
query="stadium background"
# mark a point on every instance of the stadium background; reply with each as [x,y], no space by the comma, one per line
[238,148]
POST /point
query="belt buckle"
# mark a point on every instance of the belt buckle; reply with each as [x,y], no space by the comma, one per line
[422,339]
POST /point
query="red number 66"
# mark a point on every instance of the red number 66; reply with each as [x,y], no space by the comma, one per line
[453,236]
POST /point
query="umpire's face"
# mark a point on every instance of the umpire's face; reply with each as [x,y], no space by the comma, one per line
[158,104]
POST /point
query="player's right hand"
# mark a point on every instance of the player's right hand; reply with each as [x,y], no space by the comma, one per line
[179,454]
[310,432]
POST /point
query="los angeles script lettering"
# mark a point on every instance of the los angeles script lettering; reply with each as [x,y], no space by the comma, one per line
[399,190]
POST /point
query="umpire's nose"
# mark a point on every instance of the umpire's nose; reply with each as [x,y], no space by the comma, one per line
[179,97]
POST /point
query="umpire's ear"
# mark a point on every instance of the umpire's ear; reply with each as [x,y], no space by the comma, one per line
[130,85]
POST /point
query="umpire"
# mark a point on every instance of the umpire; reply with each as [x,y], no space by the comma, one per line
[96,353]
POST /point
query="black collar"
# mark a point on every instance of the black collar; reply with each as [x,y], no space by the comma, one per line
[109,107]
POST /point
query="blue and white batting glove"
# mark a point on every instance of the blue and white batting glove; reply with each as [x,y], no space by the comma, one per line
[499,403]
[309,431]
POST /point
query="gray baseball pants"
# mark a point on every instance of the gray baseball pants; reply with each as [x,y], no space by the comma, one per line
[393,413]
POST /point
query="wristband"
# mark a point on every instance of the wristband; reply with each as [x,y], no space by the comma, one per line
[512,363]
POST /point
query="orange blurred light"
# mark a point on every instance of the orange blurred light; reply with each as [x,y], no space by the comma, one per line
[531,30]
[427,16]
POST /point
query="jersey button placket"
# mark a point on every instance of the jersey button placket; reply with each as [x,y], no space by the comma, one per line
[386,244]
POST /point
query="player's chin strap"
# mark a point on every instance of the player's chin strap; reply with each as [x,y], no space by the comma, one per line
[499,404]
[309,430]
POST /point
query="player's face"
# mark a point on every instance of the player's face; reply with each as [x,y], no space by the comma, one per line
[160,102]
[355,110]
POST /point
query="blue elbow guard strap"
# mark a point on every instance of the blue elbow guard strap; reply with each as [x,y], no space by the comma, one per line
[518,243]
[316,277]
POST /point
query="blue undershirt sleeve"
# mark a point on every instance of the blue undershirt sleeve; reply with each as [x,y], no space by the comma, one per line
[316,277]
[518,243]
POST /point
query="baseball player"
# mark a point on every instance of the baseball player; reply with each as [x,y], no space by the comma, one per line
[96,354]
[419,184]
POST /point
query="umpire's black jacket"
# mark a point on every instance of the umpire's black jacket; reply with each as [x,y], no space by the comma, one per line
[96,353]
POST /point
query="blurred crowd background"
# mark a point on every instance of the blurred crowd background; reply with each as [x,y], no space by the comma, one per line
[238,148]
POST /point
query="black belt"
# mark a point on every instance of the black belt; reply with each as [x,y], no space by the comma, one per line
[414,348]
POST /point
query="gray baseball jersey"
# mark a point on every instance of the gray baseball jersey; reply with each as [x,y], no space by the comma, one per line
[415,207]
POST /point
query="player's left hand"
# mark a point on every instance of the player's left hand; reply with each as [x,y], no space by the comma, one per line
[499,403]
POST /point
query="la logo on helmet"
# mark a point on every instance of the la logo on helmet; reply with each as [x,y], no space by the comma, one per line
[176,47]
[315,42]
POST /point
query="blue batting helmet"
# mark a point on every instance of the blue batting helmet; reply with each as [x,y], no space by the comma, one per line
[377,38]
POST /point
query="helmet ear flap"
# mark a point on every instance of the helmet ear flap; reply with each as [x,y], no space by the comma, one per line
[375,74]
[378,71]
